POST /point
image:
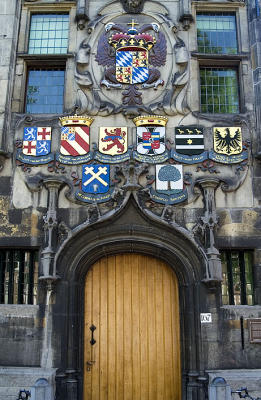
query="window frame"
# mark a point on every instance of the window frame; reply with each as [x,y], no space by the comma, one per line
[213,12]
[56,63]
[26,60]
[221,64]
[243,292]
[33,260]
[29,31]
[221,60]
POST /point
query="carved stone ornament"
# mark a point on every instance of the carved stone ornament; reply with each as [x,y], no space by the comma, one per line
[132,65]
[133,6]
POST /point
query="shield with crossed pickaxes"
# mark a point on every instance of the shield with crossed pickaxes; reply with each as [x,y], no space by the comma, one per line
[95,178]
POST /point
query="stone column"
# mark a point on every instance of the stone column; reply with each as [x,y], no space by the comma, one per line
[207,225]
[50,227]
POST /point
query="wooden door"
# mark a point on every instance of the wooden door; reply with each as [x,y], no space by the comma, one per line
[132,300]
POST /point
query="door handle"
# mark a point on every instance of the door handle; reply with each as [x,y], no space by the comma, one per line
[92,329]
[89,364]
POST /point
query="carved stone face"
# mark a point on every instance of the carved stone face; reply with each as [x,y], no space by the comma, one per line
[133,6]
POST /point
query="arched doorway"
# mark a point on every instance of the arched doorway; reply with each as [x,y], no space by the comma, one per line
[131,330]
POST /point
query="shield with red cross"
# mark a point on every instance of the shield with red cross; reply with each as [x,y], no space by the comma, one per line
[37,141]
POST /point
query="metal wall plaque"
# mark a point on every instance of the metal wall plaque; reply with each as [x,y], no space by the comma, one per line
[205,318]
[254,327]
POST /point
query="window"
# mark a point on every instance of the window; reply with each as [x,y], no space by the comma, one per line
[237,285]
[18,276]
[216,33]
[45,90]
[48,34]
[48,39]
[219,90]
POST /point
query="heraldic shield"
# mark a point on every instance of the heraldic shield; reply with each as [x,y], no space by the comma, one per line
[113,140]
[151,134]
[132,65]
[75,135]
[37,141]
[95,178]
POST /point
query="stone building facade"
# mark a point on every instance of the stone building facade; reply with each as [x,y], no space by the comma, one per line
[130,164]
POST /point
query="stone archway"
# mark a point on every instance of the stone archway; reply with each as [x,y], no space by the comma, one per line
[123,236]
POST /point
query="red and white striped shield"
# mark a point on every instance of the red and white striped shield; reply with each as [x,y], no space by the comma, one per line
[75,140]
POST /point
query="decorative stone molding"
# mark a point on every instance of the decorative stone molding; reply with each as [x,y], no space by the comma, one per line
[132,6]
[186,20]
[206,228]
[82,13]
[168,68]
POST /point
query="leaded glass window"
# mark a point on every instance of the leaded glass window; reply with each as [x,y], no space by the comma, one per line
[219,90]
[216,33]
[45,90]
[237,284]
[18,276]
[48,34]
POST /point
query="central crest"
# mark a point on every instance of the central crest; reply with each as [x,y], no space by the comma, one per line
[135,58]
[132,55]
[128,60]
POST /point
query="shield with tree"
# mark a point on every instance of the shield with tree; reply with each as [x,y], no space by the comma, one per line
[169,177]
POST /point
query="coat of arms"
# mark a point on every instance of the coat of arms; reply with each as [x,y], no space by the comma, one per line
[169,185]
[113,141]
[37,141]
[35,149]
[75,139]
[128,58]
[189,145]
[132,56]
[95,178]
[169,178]
[151,138]
[228,140]
[113,145]
[189,140]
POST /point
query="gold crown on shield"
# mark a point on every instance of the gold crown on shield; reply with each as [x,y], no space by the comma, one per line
[76,120]
[132,39]
[145,120]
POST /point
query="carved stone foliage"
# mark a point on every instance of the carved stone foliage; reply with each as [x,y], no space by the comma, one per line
[132,64]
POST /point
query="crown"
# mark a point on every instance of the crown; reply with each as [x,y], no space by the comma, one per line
[132,39]
[76,120]
[145,120]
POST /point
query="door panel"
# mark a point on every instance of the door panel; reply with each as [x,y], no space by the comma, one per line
[132,300]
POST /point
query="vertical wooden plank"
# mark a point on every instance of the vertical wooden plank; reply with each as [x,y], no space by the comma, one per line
[96,321]
[168,335]
[160,328]
[87,346]
[144,352]
[104,329]
[127,329]
[135,326]
[119,330]
[176,336]
[111,328]
[152,329]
